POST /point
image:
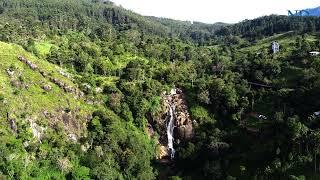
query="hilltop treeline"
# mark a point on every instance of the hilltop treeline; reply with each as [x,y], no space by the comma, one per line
[270,25]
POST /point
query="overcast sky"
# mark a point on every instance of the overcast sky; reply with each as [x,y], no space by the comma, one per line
[210,11]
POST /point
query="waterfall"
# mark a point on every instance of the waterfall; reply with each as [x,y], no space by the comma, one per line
[170,127]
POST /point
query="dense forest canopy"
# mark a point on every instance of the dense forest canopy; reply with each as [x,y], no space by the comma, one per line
[255,113]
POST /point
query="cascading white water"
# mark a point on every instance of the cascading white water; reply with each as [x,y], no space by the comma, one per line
[170,128]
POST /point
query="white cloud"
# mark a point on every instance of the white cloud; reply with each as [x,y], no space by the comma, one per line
[211,11]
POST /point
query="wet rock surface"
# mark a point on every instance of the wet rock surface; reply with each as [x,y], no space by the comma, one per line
[183,124]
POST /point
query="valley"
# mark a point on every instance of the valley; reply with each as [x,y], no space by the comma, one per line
[90,90]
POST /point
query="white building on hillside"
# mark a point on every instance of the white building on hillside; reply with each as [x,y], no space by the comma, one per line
[314,53]
[275,47]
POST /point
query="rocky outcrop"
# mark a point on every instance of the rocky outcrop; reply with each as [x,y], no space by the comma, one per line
[29,63]
[63,73]
[173,106]
[12,123]
[163,152]
[64,86]
[47,87]
[72,120]
[37,131]
[10,72]
[73,137]
[183,121]
[16,78]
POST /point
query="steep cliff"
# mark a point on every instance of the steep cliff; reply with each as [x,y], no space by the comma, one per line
[173,123]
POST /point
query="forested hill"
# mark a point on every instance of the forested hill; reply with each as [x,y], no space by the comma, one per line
[83,14]
[186,30]
[76,15]
[90,90]
[274,24]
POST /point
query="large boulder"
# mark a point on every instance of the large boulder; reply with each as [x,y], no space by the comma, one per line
[185,132]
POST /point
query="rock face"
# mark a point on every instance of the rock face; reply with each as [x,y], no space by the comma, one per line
[29,63]
[183,121]
[174,108]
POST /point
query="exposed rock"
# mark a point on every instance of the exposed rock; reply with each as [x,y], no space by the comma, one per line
[90,101]
[47,114]
[67,75]
[99,90]
[85,147]
[12,122]
[13,125]
[29,63]
[73,137]
[185,132]
[162,152]
[47,87]
[43,73]
[21,58]
[10,73]
[86,87]
[70,119]
[173,92]
[32,66]
[183,121]
[66,118]
[37,130]
[68,89]
[183,124]
[81,94]
[16,83]
[25,144]
[58,82]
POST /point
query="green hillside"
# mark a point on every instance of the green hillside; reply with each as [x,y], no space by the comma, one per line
[24,96]
[90,90]
[287,41]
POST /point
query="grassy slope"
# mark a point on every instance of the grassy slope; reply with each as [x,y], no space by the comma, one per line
[289,75]
[285,40]
[30,102]
[43,48]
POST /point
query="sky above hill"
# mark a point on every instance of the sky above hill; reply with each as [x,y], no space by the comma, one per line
[210,11]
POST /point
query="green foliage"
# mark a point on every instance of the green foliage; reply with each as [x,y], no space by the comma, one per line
[1,97]
[253,112]
[121,144]
[201,115]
